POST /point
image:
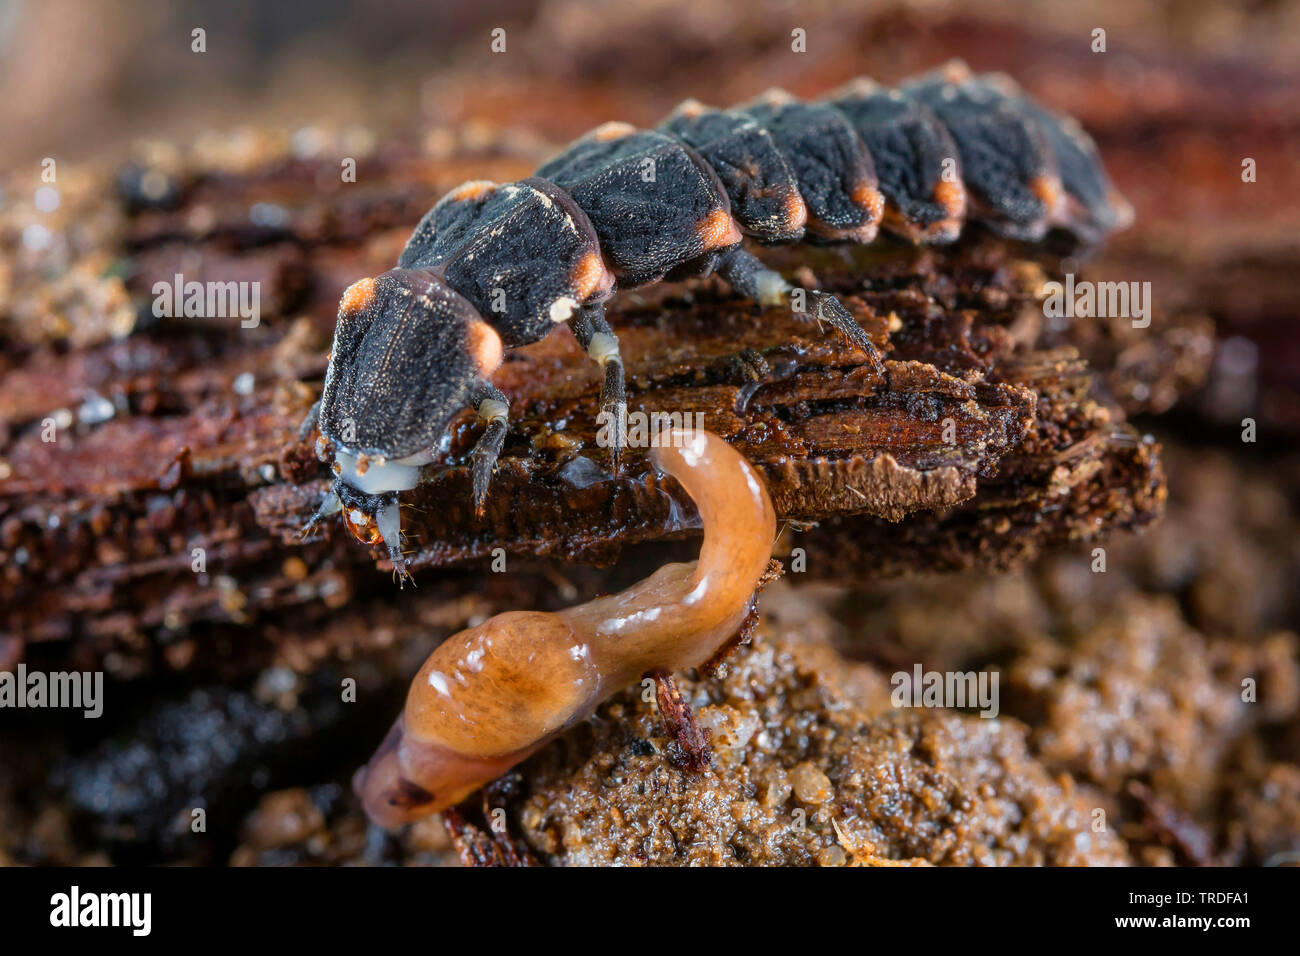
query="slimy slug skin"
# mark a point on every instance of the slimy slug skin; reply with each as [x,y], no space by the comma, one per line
[491,695]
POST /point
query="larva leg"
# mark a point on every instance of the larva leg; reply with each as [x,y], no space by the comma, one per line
[826,308]
[599,341]
[690,745]
[494,408]
[309,422]
[750,278]
[330,505]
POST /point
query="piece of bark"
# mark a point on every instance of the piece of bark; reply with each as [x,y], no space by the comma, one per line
[183,507]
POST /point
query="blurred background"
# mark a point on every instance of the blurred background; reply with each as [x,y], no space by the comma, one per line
[80,77]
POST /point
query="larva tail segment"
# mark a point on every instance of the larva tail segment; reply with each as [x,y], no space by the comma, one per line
[1092,208]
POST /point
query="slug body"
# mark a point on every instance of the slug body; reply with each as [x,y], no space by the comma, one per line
[491,695]
[495,266]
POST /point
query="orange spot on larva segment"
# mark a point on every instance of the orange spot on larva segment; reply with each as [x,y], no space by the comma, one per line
[474,189]
[718,230]
[1048,189]
[611,131]
[952,197]
[775,96]
[956,71]
[590,277]
[796,212]
[357,297]
[691,108]
[484,346]
[869,198]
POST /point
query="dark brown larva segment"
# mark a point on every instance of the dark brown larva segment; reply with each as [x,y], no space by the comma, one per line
[763,190]
[496,266]
[916,160]
[511,227]
[1093,207]
[653,206]
[834,169]
[1007,163]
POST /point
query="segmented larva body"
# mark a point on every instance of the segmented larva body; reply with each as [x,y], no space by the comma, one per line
[494,267]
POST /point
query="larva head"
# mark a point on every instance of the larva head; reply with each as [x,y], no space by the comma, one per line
[408,351]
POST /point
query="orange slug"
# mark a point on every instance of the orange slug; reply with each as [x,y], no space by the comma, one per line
[491,695]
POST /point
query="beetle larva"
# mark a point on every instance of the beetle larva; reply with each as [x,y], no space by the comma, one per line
[497,266]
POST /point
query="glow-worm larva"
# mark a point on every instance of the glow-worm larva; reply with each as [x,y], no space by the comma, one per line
[495,266]
[491,695]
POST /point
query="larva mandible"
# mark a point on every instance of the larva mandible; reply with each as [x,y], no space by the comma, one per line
[490,696]
[493,267]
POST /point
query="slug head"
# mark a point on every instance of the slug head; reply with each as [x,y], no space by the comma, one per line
[408,779]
